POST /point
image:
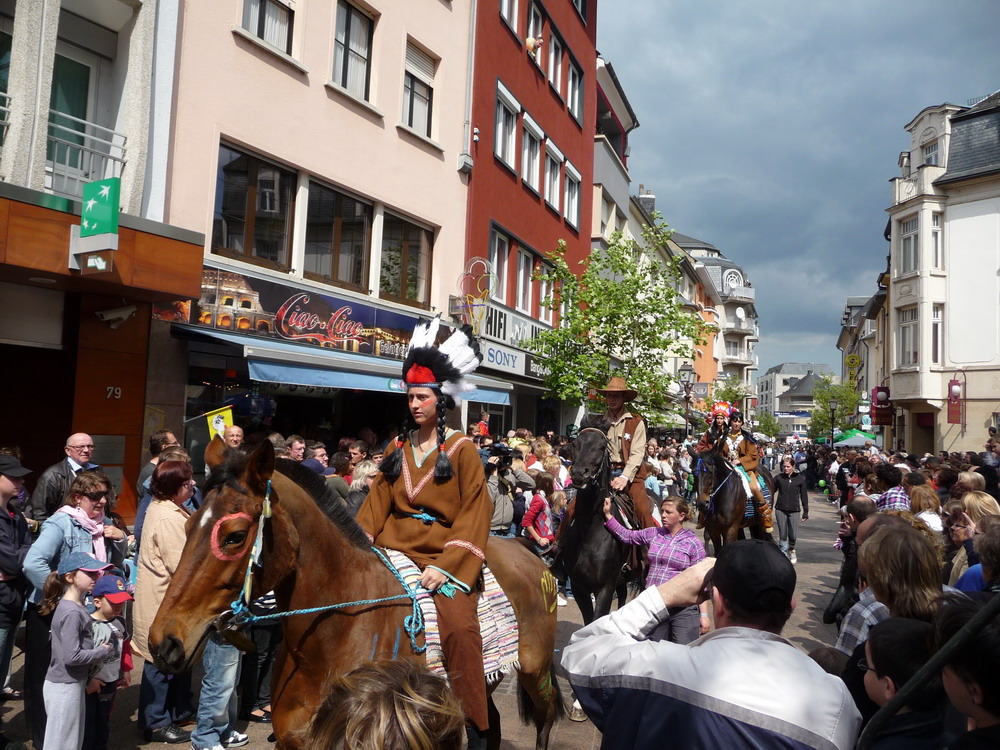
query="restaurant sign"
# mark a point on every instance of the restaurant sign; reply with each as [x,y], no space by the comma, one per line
[235,302]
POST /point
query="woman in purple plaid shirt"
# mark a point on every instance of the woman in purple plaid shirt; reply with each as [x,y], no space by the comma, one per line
[672,548]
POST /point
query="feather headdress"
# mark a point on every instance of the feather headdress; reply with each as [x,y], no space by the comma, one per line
[444,366]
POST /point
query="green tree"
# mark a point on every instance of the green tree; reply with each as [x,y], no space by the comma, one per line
[768,424]
[730,390]
[623,307]
[847,406]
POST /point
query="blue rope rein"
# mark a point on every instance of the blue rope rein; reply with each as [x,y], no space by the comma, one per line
[723,483]
[413,623]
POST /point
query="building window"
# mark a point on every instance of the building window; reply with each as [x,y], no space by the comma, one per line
[545,297]
[581,7]
[535,31]
[406,262]
[930,152]
[499,249]
[338,237]
[574,91]
[937,341]
[352,50]
[553,164]
[555,62]
[733,349]
[505,134]
[907,337]
[418,90]
[270,21]
[531,152]
[571,205]
[508,12]
[937,249]
[525,267]
[909,245]
[255,204]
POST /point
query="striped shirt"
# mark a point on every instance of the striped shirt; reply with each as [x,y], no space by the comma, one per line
[668,555]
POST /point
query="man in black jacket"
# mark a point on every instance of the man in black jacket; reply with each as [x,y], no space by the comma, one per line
[54,483]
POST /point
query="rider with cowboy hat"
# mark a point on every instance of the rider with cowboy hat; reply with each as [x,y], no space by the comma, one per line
[742,452]
[627,446]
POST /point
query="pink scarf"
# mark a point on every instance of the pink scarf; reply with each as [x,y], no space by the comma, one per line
[96,529]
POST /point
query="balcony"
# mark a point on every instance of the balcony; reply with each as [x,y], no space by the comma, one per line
[917,183]
[741,294]
[78,152]
[741,328]
[738,358]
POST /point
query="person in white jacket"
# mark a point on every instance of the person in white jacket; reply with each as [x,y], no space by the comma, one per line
[741,686]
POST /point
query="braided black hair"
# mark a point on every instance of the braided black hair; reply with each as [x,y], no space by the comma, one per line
[392,464]
[442,467]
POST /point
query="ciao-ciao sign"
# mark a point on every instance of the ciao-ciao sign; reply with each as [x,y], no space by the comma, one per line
[296,319]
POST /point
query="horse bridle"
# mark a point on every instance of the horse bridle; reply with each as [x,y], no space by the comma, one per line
[719,486]
[605,459]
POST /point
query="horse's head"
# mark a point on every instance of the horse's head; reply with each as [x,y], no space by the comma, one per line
[590,454]
[706,475]
[214,562]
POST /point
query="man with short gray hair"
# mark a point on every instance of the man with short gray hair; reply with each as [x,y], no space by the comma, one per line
[54,483]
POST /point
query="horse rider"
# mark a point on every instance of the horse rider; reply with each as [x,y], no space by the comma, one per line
[713,439]
[627,447]
[742,452]
[430,502]
[716,427]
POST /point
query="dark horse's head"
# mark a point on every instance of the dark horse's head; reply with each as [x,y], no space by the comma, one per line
[590,453]
[710,470]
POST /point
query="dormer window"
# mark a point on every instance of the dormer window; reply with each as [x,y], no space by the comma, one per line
[930,152]
[904,163]
[732,279]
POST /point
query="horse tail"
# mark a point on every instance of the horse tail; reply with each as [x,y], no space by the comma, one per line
[528,711]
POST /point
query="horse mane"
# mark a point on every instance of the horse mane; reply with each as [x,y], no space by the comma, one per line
[229,472]
[715,458]
[595,421]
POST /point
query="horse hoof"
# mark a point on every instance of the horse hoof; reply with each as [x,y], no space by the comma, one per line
[577,714]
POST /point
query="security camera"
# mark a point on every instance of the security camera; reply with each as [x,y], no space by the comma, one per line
[117,315]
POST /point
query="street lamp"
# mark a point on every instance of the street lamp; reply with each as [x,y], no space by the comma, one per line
[686,375]
[833,419]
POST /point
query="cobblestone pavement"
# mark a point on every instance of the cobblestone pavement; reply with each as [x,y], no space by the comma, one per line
[818,567]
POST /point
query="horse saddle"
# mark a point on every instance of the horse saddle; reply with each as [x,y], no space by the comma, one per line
[497,622]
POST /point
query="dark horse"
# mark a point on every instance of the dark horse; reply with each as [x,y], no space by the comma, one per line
[314,555]
[723,499]
[592,558]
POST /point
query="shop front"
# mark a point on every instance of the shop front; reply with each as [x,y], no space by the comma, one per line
[300,360]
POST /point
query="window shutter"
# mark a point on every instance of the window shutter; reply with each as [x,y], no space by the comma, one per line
[420,64]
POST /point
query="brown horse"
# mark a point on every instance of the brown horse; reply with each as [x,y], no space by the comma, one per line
[313,555]
[722,497]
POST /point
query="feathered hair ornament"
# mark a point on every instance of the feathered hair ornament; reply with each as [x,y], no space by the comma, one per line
[442,368]
[722,407]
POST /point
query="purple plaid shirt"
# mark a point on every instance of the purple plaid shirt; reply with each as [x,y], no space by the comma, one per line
[668,555]
[894,498]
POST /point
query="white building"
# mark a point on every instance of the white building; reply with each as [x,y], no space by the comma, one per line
[943,277]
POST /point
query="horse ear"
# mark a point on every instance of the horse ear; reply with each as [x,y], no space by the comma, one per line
[260,467]
[215,452]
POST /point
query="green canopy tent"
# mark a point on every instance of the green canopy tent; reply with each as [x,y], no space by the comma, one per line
[853,439]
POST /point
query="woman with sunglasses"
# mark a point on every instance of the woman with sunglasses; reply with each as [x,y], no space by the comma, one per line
[80,525]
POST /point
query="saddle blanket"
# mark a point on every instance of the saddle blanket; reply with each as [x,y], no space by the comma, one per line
[748,513]
[497,623]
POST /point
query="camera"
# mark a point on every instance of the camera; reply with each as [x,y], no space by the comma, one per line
[499,450]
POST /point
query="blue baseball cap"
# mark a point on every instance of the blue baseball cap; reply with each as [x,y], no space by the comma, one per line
[113,589]
[80,561]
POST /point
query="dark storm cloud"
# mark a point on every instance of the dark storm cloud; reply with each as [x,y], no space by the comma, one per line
[770,129]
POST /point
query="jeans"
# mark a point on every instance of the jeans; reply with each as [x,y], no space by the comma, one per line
[217,704]
[163,699]
[255,682]
[6,650]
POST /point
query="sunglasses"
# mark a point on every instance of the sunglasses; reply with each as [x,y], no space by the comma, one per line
[94,497]
[864,666]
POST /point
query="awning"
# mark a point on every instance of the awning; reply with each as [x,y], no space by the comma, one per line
[278,362]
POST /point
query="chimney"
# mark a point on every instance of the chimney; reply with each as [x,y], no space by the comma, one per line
[647,200]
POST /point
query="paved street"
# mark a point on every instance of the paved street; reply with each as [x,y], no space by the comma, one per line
[817,569]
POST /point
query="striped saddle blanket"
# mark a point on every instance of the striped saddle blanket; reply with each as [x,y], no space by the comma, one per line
[497,622]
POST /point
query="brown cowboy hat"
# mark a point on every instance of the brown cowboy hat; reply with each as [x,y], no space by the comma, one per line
[617,385]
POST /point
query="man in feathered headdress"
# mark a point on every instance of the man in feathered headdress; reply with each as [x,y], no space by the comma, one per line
[430,502]
[716,431]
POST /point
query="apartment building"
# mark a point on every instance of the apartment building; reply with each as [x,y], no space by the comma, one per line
[536,107]
[76,106]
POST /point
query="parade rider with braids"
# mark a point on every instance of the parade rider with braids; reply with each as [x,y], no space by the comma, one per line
[742,452]
[430,502]
[713,439]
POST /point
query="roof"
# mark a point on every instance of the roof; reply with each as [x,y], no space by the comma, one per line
[690,243]
[799,368]
[803,386]
[975,142]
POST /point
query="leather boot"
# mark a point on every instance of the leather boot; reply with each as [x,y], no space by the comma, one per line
[475,738]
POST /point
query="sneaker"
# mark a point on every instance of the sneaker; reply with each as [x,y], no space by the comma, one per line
[213,747]
[792,558]
[236,739]
[560,601]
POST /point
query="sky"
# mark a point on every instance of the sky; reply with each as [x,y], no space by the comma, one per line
[771,129]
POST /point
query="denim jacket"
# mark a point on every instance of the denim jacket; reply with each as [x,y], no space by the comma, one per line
[60,535]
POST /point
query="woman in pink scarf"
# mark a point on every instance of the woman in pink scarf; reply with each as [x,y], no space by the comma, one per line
[78,526]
